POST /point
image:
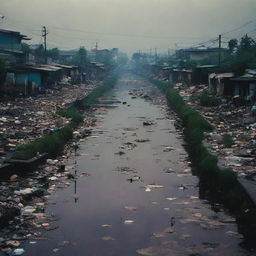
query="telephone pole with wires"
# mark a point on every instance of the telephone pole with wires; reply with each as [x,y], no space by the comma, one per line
[44,35]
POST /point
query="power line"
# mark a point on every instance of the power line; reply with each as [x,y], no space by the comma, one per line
[240,27]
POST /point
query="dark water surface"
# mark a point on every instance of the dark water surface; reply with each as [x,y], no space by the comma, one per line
[112,212]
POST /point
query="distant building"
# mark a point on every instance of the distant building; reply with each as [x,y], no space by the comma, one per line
[194,54]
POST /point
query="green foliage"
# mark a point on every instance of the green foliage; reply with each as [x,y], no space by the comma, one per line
[80,58]
[53,53]
[232,45]
[247,44]
[76,117]
[52,144]
[208,100]
[240,57]
[227,141]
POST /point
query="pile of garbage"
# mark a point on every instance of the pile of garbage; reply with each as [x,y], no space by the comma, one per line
[233,121]
[22,120]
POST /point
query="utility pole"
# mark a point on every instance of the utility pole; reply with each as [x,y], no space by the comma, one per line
[219,50]
[45,33]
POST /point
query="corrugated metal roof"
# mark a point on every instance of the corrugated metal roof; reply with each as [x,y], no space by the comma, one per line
[14,33]
[183,70]
[63,66]
[244,78]
[207,66]
[47,68]
[221,75]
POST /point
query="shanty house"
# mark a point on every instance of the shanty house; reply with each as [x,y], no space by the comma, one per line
[245,86]
[201,73]
[181,75]
[27,79]
[10,46]
[220,84]
[95,71]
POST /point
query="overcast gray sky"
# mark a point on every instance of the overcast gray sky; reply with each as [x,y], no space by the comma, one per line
[130,25]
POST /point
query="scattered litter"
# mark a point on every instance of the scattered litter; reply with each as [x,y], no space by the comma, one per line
[14,177]
[108,238]
[18,251]
[168,149]
[128,221]
[64,243]
[142,140]
[134,178]
[171,198]
[125,170]
[12,243]
[106,225]
[147,251]
[169,170]
[148,123]
[153,186]
[130,208]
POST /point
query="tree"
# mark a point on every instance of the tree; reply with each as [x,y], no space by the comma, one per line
[246,44]
[53,53]
[81,57]
[232,45]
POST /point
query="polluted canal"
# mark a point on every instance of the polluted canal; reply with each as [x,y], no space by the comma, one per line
[133,192]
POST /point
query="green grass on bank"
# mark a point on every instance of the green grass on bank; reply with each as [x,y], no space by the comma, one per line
[219,184]
[54,143]
[208,100]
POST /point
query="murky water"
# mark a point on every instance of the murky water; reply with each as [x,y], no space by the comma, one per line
[114,211]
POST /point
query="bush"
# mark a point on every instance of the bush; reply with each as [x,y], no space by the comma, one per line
[52,144]
[207,100]
[227,141]
[76,117]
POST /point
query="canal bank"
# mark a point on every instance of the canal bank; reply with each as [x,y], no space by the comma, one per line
[132,190]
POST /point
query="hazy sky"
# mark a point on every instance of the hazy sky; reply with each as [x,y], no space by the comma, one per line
[130,25]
